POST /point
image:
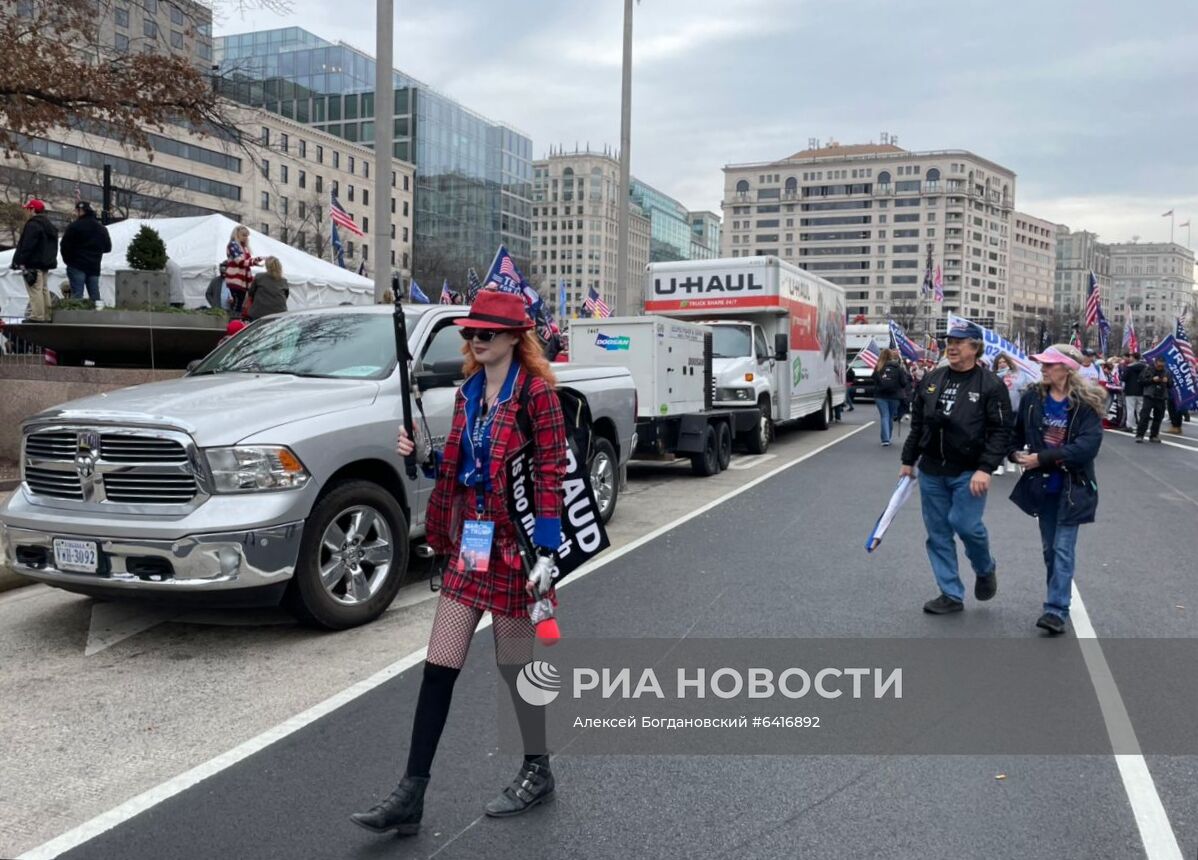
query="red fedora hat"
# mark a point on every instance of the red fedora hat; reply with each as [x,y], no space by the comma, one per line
[493,309]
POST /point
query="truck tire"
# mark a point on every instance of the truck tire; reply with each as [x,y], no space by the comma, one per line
[358,536]
[707,462]
[605,477]
[723,445]
[822,420]
[757,441]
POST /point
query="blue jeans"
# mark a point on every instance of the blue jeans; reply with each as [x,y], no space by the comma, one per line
[1060,545]
[78,280]
[948,508]
[887,411]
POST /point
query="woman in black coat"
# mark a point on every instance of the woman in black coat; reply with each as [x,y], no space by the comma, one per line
[1057,436]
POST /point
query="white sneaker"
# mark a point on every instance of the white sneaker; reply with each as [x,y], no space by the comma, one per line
[999,471]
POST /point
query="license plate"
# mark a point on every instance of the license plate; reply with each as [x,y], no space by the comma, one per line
[859,391]
[80,556]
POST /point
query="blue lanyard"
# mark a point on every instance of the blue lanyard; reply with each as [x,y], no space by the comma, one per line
[480,442]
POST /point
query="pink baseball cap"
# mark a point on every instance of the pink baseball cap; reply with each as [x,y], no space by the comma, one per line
[1055,355]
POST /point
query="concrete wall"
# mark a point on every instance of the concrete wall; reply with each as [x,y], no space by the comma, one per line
[26,389]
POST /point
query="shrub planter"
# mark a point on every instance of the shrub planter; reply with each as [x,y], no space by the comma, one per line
[141,289]
[156,319]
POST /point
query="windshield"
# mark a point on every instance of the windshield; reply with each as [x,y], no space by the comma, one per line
[335,346]
[731,341]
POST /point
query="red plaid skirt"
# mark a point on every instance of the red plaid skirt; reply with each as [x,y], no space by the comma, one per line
[501,589]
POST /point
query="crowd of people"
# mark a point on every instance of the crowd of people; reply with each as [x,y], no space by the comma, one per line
[971,420]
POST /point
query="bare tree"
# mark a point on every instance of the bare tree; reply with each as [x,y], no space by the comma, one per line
[906,314]
[439,261]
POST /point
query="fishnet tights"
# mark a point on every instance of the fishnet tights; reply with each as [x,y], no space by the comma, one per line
[453,629]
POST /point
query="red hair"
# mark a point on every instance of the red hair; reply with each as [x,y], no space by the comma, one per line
[528,353]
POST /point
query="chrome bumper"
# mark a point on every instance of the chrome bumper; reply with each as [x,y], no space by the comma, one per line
[198,563]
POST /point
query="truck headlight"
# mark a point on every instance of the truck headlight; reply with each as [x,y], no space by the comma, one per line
[726,394]
[249,469]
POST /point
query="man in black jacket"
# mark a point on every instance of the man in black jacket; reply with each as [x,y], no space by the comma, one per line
[84,244]
[36,255]
[1133,389]
[960,423]
[1156,381]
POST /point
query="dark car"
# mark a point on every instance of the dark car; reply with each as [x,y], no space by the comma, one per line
[863,388]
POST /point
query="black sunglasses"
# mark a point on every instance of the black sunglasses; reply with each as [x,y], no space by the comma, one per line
[484,335]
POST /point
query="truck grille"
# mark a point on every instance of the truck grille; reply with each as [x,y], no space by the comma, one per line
[127,467]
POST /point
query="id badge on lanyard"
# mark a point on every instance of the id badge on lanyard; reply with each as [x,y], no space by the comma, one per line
[478,534]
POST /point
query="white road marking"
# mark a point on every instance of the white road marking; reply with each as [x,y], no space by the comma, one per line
[116,621]
[152,797]
[1156,833]
[752,461]
[1169,442]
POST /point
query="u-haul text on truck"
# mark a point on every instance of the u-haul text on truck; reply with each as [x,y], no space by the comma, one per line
[778,331]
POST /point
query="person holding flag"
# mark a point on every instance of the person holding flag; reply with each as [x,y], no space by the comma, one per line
[1056,439]
[960,423]
[468,523]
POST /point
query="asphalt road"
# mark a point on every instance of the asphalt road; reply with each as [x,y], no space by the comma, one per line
[783,559]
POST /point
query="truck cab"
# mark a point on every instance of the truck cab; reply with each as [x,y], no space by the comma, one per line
[742,363]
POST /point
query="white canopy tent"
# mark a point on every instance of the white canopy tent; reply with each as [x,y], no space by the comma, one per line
[198,246]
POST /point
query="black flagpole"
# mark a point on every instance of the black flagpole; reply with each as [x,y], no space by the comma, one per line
[403,356]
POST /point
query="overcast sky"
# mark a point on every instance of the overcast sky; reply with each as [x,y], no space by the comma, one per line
[1092,104]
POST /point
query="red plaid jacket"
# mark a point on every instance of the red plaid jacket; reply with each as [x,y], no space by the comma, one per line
[451,502]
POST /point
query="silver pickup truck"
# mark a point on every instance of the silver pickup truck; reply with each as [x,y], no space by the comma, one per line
[266,474]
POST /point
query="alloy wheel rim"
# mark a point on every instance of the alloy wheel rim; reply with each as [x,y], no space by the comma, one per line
[603,480]
[356,554]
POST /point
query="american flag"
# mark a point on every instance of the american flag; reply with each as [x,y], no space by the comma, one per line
[1183,343]
[446,293]
[938,286]
[870,354]
[933,349]
[1076,340]
[1131,343]
[473,285]
[1093,301]
[595,306]
[342,218]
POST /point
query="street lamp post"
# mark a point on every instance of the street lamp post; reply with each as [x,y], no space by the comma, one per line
[622,274]
[384,108]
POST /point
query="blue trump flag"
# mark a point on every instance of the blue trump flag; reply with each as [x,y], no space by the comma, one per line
[417,294]
[338,248]
[505,277]
[908,349]
[1185,380]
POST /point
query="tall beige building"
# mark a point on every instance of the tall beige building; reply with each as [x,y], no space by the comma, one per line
[278,178]
[575,230]
[179,27]
[868,217]
[1078,254]
[1156,279]
[1033,273]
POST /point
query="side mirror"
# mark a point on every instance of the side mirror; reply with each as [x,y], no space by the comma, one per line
[193,364]
[781,347]
[439,374]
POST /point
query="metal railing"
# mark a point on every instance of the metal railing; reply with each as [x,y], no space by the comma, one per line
[15,349]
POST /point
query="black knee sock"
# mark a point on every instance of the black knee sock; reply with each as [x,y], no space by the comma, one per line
[530,718]
[432,707]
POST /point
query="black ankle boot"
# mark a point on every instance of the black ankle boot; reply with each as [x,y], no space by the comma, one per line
[400,811]
[532,786]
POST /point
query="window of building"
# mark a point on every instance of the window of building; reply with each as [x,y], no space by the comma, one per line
[336,160]
[176,39]
[349,193]
[336,188]
[121,17]
[121,42]
[283,173]
[283,204]
[365,196]
[284,142]
[303,179]
[149,29]
[266,168]
[264,203]
[265,138]
[319,184]
[303,148]
[365,225]
[319,154]
[405,209]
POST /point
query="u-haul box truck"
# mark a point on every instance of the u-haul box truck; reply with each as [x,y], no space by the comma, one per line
[778,341]
[671,365]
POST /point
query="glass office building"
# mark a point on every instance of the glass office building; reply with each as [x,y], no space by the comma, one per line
[670,226]
[473,175]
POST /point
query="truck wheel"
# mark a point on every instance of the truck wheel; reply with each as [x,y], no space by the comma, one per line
[757,441]
[604,478]
[822,420]
[352,557]
[723,445]
[708,462]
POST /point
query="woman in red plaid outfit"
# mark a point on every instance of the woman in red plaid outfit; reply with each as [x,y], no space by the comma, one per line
[503,358]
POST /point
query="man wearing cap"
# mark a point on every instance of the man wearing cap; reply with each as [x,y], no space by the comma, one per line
[1090,370]
[1156,381]
[960,422]
[36,255]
